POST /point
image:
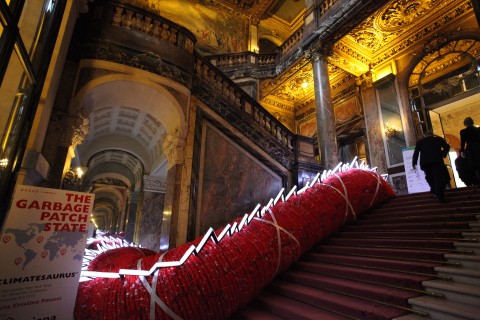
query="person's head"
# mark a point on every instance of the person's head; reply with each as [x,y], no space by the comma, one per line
[468,122]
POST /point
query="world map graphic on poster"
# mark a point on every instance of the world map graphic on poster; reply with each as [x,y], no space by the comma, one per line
[33,244]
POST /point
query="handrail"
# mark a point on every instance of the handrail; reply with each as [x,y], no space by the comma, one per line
[294,39]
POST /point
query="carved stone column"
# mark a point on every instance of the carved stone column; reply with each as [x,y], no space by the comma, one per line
[71,131]
[376,148]
[173,147]
[327,138]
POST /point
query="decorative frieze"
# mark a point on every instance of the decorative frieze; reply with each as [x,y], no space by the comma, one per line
[155,184]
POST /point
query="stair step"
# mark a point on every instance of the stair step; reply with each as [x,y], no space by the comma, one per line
[415,234]
[454,209]
[381,265]
[253,312]
[464,293]
[472,235]
[411,317]
[287,308]
[418,217]
[431,255]
[428,203]
[362,261]
[414,226]
[475,225]
[460,274]
[406,243]
[441,309]
[354,307]
[467,261]
[413,281]
[365,290]
[475,246]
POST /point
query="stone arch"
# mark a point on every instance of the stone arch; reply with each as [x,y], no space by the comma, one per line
[159,102]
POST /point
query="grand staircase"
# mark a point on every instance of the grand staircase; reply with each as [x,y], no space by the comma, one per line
[410,258]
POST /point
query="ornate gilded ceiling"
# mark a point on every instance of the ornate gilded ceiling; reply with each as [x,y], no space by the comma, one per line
[397,28]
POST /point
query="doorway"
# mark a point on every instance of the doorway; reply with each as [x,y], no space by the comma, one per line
[447,121]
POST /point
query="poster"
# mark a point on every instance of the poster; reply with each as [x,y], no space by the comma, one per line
[415,177]
[42,245]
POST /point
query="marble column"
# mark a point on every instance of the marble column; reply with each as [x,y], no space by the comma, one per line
[327,138]
[134,198]
[371,110]
[173,147]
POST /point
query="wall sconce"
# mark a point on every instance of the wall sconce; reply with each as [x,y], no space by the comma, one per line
[390,132]
[3,163]
[73,177]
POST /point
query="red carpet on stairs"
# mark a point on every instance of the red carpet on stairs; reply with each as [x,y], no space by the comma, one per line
[372,267]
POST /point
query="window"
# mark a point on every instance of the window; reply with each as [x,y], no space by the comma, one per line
[28,30]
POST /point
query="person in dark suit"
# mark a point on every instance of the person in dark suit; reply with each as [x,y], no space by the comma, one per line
[470,148]
[464,172]
[432,149]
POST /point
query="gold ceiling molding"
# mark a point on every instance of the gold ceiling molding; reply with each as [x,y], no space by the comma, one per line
[342,81]
[436,23]
[307,101]
[274,102]
[347,64]
[395,28]
[296,85]
[402,14]
[278,28]
[346,49]
[268,86]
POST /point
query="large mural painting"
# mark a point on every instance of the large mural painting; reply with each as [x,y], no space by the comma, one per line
[216,30]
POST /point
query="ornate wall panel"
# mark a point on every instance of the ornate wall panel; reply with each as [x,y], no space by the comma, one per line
[232,181]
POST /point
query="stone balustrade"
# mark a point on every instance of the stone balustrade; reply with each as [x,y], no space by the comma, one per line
[130,17]
[243,59]
[293,40]
[228,89]
[325,5]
